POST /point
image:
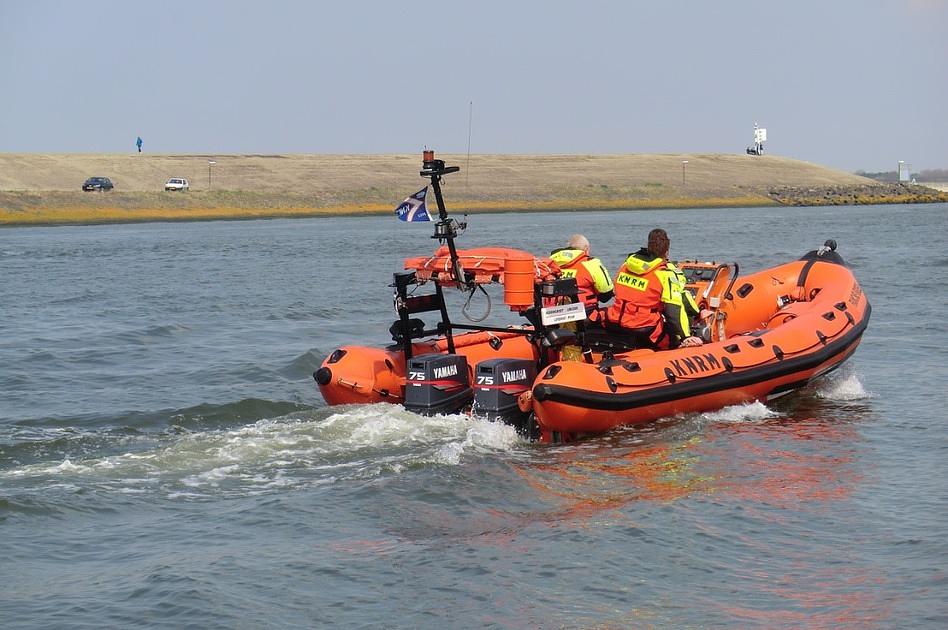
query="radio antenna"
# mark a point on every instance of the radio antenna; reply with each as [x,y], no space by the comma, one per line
[470,119]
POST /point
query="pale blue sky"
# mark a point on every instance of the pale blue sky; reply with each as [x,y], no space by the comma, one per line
[852,84]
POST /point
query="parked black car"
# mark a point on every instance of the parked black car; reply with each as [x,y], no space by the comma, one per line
[98,183]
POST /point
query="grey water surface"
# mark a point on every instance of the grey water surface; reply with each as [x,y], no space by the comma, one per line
[167,462]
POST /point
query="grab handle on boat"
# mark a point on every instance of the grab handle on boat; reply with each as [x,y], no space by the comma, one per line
[716,323]
[727,292]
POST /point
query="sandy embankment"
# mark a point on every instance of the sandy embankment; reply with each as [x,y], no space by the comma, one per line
[44,189]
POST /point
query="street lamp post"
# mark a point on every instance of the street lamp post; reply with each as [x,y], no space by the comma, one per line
[210,163]
[683,162]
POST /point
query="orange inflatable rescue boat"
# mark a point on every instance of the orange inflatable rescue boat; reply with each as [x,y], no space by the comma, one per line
[558,378]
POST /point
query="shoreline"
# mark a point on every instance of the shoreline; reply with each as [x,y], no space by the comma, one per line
[52,216]
[43,189]
[43,216]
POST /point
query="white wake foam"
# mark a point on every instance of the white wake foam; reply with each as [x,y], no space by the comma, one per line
[359,441]
[842,388]
[750,412]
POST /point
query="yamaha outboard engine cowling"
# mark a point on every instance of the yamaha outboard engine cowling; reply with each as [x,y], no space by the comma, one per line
[437,383]
[498,383]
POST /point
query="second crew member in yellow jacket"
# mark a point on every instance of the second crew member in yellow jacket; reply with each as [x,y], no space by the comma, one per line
[651,308]
[690,311]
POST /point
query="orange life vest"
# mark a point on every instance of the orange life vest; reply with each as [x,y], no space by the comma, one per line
[638,291]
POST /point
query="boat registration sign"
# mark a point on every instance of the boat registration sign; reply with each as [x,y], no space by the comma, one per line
[551,315]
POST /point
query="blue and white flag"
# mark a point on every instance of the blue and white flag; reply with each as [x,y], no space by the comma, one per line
[414,208]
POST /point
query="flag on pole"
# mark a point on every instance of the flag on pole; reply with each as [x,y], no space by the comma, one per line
[414,208]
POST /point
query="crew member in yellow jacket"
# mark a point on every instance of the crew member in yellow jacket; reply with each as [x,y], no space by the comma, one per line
[592,279]
[651,304]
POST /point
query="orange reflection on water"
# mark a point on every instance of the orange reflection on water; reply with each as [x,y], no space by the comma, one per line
[590,481]
[777,464]
[783,464]
[780,472]
[823,598]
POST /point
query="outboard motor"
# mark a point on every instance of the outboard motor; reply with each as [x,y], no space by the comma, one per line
[437,383]
[498,383]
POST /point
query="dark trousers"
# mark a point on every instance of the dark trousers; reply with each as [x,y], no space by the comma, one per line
[618,339]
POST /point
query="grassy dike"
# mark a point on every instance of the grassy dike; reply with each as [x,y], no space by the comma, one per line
[67,208]
[40,189]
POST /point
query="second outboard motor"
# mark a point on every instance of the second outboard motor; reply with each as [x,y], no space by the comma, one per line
[498,383]
[437,383]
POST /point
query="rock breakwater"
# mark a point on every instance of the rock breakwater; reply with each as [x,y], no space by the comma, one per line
[848,195]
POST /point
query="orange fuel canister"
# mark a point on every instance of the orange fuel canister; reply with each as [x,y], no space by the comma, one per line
[519,275]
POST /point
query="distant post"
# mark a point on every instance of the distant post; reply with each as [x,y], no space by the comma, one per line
[210,163]
[683,162]
[139,143]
